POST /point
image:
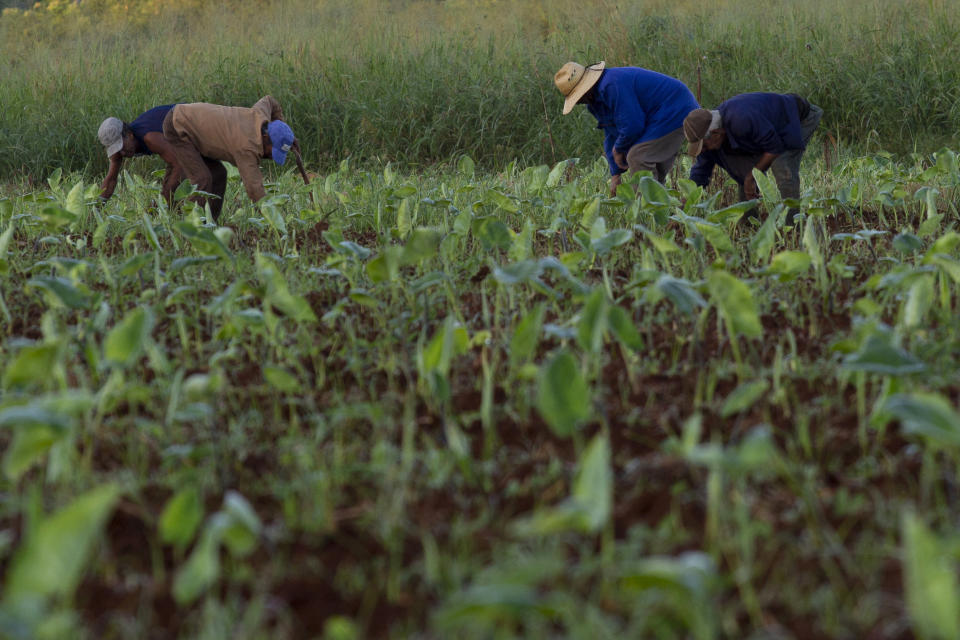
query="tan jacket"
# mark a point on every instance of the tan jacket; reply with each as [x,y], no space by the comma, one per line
[231,134]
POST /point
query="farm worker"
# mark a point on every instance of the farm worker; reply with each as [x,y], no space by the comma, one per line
[202,135]
[143,136]
[753,131]
[641,113]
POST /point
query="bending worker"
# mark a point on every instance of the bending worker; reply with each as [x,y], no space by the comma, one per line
[641,113]
[203,135]
[753,131]
[143,136]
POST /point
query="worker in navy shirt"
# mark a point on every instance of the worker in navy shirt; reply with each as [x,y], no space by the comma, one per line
[753,131]
[143,136]
[641,113]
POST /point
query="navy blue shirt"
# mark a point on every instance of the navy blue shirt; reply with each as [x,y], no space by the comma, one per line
[150,120]
[755,123]
[635,105]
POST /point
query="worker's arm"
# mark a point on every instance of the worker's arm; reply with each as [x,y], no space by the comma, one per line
[159,145]
[110,182]
[249,167]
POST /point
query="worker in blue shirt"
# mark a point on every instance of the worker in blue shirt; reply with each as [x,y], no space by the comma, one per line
[143,136]
[641,113]
[753,131]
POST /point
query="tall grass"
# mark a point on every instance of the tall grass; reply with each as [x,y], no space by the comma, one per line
[421,82]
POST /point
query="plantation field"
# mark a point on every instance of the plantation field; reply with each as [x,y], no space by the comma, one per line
[483,404]
[450,388]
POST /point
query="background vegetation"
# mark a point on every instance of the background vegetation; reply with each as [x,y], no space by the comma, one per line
[419,82]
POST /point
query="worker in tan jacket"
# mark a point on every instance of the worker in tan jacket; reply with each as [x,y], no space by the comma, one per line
[202,135]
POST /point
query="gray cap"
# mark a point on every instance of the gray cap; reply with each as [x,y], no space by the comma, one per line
[111,135]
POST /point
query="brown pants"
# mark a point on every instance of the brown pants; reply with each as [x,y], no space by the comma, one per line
[656,156]
[207,174]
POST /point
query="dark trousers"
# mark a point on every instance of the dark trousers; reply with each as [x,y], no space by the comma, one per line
[207,174]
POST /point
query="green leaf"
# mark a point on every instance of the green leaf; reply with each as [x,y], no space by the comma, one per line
[526,336]
[735,302]
[136,263]
[593,321]
[180,518]
[502,201]
[920,298]
[127,340]
[204,240]
[590,212]
[743,397]
[200,571]
[281,379]
[517,272]
[75,201]
[421,245]
[620,324]
[51,560]
[558,171]
[927,414]
[716,235]
[761,244]
[733,212]
[466,166]
[563,398]
[593,486]
[55,217]
[61,291]
[4,243]
[31,366]
[878,355]
[681,293]
[907,243]
[603,245]
[404,223]
[787,265]
[930,581]
[768,188]
[493,234]
[654,193]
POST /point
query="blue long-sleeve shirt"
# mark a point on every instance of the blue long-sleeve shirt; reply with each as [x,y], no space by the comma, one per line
[755,123]
[635,105]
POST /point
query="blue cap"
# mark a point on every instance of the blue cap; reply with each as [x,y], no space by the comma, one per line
[281,137]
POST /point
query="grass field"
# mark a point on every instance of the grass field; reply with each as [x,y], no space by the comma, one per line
[451,389]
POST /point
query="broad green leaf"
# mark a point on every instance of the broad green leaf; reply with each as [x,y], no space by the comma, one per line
[51,560]
[4,243]
[654,193]
[61,291]
[920,298]
[180,517]
[466,166]
[946,264]
[421,245]
[493,234]
[930,581]
[878,355]
[787,265]
[55,217]
[593,486]
[517,272]
[204,240]
[200,571]
[558,171]
[31,366]
[733,212]
[927,414]
[590,212]
[621,325]
[603,245]
[768,188]
[735,302]
[593,321]
[30,443]
[75,202]
[563,397]
[404,223]
[281,379]
[907,243]
[526,336]
[502,201]
[945,244]
[716,235]
[761,244]
[664,245]
[681,293]
[743,397]
[136,263]
[241,534]
[363,297]
[127,340]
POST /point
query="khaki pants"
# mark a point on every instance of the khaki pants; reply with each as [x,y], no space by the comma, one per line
[207,174]
[656,156]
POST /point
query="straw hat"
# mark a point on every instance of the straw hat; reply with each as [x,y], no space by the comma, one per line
[574,80]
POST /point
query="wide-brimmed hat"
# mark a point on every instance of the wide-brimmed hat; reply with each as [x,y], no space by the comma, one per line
[111,135]
[696,127]
[574,80]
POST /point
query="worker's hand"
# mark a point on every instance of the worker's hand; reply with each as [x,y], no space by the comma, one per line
[620,159]
[750,188]
[614,183]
